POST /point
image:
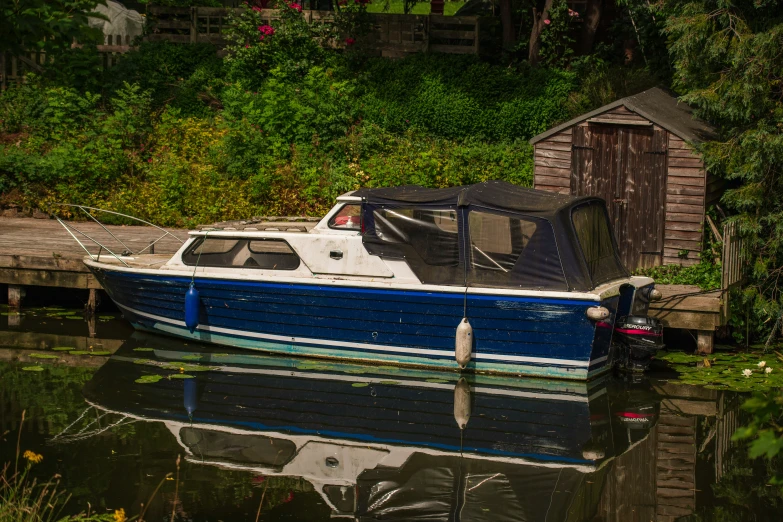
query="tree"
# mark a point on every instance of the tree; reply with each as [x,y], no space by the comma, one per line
[592,17]
[44,24]
[540,20]
[507,21]
[728,63]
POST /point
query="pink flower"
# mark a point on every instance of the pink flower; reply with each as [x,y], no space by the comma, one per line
[266,30]
[247,46]
[349,41]
[571,12]
[295,6]
[547,22]
[257,9]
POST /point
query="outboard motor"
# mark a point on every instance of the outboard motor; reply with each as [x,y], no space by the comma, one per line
[637,338]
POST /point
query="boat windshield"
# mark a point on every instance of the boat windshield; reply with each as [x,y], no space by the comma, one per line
[493,234]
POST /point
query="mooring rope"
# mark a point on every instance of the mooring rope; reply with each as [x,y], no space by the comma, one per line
[198,259]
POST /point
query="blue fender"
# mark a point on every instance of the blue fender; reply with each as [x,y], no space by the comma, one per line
[192,305]
[191,395]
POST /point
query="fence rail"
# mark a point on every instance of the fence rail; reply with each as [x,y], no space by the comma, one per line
[390,34]
[13,68]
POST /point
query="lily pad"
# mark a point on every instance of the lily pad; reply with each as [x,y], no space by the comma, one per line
[74,317]
[32,368]
[79,352]
[147,379]
[143,361]
[43,356]
[106,317]
[100,352]
[390,383]
[360,384]
[63,348]
[181,376]
[143,349]
[193,357]
[187,367]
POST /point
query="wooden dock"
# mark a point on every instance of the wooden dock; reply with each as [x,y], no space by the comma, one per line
[687,307]
[40,252]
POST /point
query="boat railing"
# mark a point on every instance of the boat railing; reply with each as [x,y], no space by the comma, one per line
[114,246]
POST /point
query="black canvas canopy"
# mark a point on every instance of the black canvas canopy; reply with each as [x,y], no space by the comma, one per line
[493,234]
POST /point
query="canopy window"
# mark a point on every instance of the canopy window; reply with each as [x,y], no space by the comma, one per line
[495,233]
[513,252]
[261,253]
[591,224]
[427,238]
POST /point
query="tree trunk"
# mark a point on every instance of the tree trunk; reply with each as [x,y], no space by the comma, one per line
[535,33]
[591,17]
[507,20]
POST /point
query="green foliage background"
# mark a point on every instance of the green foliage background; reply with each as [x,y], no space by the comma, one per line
[178,136]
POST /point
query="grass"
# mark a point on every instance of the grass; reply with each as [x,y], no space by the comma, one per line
[25,499]
[421,8]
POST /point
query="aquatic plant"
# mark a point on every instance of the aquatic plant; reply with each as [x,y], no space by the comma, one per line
[742,372]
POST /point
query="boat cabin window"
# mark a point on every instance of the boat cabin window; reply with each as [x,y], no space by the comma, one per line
[512,252]
[595,240]
[348,218]
[428,239]
[260,253]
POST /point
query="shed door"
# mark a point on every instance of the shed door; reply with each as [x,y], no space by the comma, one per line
[627,167]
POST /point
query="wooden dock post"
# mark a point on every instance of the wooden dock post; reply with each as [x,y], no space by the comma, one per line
[15,294]
[705,341]
[93,301]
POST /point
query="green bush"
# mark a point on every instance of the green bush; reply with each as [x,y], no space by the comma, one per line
[179,76]
[462,97]
[288,43]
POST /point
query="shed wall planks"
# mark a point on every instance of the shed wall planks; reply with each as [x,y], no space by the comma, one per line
[685,202]
[552,163]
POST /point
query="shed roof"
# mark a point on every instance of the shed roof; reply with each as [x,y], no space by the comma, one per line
[658,106]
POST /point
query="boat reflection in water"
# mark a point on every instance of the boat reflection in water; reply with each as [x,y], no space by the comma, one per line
[387,443]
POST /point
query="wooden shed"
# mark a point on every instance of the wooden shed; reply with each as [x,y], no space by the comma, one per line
[636,153]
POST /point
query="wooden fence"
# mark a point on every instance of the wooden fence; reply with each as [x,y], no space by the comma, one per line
[391,35]
[14,68]
[731,264]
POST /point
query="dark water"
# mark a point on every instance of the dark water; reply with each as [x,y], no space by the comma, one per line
[309,440]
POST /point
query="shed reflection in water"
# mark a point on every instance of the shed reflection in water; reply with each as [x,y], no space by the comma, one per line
[384,443]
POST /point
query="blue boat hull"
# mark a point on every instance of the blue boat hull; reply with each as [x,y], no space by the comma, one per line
[513,335]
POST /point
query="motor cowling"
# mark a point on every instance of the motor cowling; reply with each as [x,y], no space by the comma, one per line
[637,338]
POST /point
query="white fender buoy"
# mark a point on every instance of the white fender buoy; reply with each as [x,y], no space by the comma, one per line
[597,313]
[462,403]
[655,295]
[464,343]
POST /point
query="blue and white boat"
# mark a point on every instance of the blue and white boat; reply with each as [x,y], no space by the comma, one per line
[487,278]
